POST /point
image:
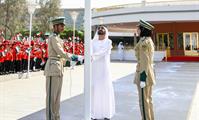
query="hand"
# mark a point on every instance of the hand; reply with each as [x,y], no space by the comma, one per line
[63,60]
[142,84]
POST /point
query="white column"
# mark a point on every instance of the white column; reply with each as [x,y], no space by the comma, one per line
[87,65]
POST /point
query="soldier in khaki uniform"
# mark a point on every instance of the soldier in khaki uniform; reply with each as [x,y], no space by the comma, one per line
[54,70]
[144,76]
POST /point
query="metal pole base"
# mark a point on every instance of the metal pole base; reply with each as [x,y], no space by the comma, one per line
[28,75]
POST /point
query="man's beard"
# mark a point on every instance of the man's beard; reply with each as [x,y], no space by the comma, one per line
[101,32]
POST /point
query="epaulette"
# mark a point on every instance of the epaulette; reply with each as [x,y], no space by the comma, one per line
[54,34]
[143,38]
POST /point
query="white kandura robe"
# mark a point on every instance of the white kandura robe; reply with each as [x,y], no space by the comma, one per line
[102,99]
[121,52]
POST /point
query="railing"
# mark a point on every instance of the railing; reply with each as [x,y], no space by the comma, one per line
[145,3]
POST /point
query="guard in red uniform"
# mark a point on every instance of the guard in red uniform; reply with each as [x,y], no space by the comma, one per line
[38,56]
[25,57]
[2,57]
[8,57]
[19,54]
[44,54]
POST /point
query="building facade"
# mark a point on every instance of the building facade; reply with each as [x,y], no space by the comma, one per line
[181,38]
[176,25]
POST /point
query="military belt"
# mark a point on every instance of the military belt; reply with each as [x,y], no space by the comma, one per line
[54,58]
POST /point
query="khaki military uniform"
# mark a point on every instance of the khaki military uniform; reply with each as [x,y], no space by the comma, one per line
[144,51]
[54,76]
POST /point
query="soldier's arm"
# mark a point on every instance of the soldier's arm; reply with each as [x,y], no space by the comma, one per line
[144,57]
[58,48]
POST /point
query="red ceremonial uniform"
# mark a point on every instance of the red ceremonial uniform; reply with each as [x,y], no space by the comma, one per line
[2,58]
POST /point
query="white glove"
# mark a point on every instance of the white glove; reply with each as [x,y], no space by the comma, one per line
[142,84]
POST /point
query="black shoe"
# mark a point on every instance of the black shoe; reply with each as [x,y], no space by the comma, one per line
[93,119]
[107,119]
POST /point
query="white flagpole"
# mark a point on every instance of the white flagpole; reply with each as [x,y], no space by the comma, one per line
[87,65]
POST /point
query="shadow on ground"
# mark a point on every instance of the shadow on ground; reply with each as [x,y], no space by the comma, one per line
[172,98]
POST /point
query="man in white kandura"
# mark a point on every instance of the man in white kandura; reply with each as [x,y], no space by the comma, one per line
[102,100]
[121,51]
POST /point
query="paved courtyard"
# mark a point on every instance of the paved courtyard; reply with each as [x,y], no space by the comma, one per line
[175,95]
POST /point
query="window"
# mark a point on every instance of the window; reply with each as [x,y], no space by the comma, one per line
[171,40]
[180,41]
[191,43]
[163,41]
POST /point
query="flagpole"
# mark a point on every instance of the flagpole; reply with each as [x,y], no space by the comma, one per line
[29,48]
[87,65]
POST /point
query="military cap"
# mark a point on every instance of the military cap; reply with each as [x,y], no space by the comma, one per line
[145,25]
[58,20]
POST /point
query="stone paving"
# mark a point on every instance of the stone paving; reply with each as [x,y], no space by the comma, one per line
[175,95]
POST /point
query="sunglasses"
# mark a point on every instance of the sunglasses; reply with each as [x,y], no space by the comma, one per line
[100,28]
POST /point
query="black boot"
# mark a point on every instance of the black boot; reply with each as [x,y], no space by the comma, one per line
[93,119]
[107,119]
